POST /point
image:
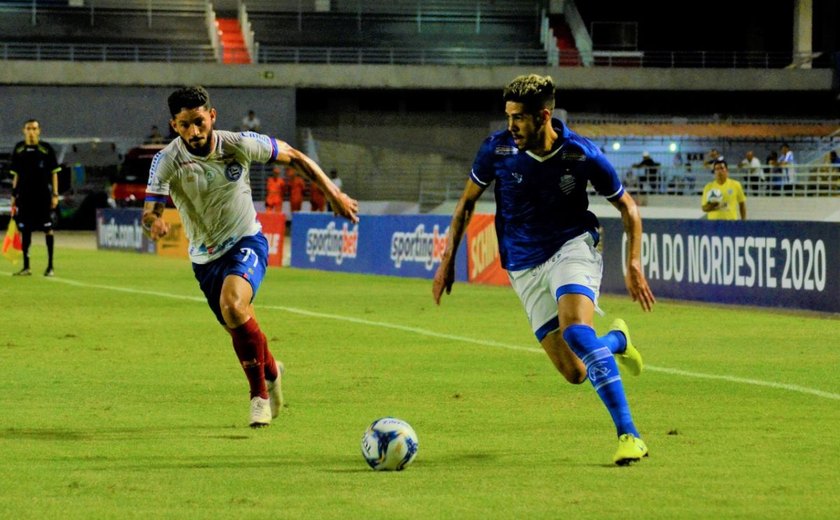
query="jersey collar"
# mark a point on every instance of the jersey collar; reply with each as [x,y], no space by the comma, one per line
[562,136]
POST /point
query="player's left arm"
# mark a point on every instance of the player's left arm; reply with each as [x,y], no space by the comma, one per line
[635,280]
[341,203]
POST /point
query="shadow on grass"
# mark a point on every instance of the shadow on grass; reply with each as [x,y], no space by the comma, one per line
[116,434]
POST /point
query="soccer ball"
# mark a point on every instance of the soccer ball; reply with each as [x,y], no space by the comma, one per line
[714,195]
[389,444]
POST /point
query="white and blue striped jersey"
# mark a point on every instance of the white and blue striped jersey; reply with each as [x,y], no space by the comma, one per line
[212,193]
[541,201]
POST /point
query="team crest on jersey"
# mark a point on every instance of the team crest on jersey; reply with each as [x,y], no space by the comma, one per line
[567,184]
[517,176]
[233,171]
[506,150]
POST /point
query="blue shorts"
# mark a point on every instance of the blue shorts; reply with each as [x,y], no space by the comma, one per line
[248,259]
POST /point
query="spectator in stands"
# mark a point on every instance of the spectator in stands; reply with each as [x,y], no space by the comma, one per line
[833,172]
[34,170]
[649,179]
[337,181]
[547,243]
[274,188]
[834,161]
[772,172]
[296,187]
[754,173]
[788,168]
[251,123]
[317,201]
[711,157]
[723,198]
[154,136]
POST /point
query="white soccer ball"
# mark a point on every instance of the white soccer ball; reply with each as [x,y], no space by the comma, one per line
[389,444]
[714,195]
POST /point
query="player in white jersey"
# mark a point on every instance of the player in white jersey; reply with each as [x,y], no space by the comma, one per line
[206,172]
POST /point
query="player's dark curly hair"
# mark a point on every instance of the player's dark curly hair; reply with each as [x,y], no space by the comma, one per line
[534,91]
[189,98]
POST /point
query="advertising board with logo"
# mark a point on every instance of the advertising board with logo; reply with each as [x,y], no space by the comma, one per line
[484,265]
[409,246]
[274,229]
[121,229]
[771,264]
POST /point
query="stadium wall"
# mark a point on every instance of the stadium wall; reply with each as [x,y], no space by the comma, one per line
[15,72]
[128,112]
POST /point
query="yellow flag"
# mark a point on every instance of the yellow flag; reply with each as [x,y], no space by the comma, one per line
[12,243]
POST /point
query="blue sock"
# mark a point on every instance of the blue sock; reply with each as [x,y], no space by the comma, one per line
[615,341]
[602,372]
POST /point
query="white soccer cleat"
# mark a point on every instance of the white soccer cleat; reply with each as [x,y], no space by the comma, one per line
[275,392]
[260,412]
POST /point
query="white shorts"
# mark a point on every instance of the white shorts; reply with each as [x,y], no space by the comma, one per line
[575,269]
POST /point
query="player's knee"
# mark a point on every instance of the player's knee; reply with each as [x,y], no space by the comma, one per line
[234,309]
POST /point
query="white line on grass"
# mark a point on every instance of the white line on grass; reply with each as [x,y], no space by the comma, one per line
[464,339]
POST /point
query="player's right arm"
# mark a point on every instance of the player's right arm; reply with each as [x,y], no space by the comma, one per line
[445,274]
[152,221]
[156,191]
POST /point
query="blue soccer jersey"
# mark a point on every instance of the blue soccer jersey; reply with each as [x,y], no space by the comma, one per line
[541,201]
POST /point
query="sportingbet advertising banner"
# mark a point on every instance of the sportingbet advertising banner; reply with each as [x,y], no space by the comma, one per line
[408,246]
[793,265]
[120,228]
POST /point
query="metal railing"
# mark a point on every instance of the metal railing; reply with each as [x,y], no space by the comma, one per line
[106,52]
[403,56]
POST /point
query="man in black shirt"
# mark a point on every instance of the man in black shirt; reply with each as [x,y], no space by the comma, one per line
[34,191]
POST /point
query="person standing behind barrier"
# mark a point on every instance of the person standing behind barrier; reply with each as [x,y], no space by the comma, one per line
[650,177]
[296,187]
[317,201]
[337,181]
[754,173]
[788,164]
[548,245]
[274,187]
[34,191]
[723,198]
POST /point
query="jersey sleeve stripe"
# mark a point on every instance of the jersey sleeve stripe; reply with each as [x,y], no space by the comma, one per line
[153,197]
[617,195]
[274,149]
[478,181]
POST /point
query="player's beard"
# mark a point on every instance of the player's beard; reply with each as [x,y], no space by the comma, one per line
[203,150]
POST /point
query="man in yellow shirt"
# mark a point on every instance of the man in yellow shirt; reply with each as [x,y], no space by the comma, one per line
[723,198]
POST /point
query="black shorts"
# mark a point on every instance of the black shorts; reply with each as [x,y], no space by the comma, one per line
[35,219]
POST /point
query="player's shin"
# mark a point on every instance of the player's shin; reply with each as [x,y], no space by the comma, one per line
[249,344]
[602,372]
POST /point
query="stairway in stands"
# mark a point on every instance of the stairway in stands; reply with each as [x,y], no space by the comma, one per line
[569,55]
[233,44]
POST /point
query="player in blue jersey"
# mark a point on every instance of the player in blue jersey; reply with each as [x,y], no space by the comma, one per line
[206,172]
[547,243]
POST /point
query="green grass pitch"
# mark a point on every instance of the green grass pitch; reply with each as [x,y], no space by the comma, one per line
[120,397]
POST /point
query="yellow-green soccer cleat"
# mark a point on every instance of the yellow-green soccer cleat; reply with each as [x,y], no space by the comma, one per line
[630,360]
[630,449]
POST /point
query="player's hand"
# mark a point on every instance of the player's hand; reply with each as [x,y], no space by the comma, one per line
[159,229]
[638,287]
[444,278]
[344,206]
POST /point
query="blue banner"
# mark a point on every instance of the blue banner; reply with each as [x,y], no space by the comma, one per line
[120,228]
[408,246]
[787,264]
